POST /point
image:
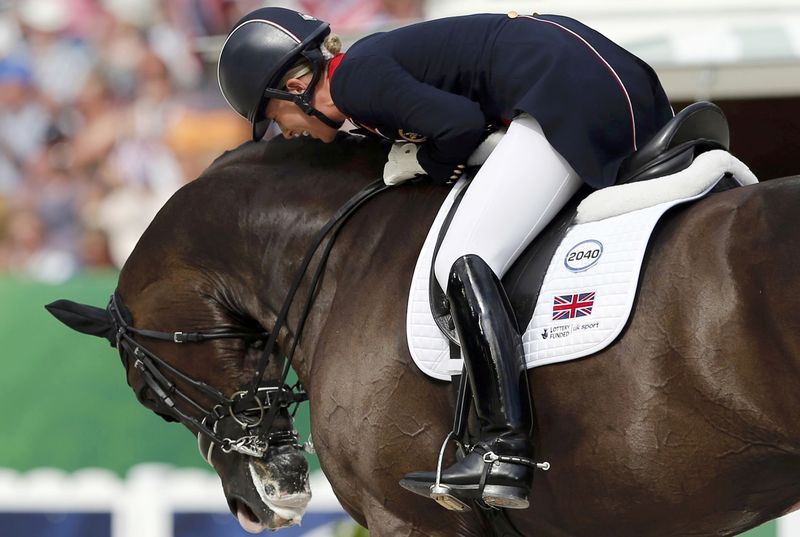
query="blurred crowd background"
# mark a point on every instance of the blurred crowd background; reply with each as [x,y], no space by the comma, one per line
[107,107]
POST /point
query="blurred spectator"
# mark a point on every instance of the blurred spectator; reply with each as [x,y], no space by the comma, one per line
[60,62]
[23,121]
[359,16]
[107,107]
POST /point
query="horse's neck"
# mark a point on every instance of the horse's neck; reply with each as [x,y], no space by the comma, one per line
[367,282]
[279,247]
[280,244]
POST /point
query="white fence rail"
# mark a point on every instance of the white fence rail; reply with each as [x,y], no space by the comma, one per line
[144,503]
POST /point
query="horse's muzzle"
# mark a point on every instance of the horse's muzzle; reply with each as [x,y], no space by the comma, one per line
[278,492]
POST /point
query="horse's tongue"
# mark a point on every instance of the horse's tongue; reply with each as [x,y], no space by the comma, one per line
[246,522]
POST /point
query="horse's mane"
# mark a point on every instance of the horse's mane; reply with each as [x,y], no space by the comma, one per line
[302,158]
[246,188]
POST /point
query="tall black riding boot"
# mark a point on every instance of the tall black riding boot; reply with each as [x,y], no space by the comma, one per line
[495,364]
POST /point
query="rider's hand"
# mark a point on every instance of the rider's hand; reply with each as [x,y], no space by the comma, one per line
[482,152]
[402,164]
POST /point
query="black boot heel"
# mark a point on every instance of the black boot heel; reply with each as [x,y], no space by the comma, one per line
[512,469]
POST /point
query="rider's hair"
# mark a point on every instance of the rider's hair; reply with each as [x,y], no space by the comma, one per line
[329,48]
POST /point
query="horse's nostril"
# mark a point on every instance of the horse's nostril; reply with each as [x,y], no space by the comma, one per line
[247,518]
[241,509]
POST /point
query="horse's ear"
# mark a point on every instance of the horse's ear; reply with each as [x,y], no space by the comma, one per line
[83,318]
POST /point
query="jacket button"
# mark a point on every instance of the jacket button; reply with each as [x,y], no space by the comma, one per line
[513,14]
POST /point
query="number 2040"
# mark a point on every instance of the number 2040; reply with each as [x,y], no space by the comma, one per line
[584,254]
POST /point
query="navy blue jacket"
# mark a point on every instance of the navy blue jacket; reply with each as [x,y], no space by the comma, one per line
[442,82]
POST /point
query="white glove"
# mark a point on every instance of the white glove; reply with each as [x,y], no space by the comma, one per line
[402,164]
[482,152]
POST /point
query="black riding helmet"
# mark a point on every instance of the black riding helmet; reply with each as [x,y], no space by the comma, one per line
[259,51]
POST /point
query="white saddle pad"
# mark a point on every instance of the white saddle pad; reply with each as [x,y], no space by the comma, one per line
[588,292]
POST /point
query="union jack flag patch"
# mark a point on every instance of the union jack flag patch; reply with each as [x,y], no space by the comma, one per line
[572,306]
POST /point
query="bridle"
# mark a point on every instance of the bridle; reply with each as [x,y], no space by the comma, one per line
[253,409]
[248,414]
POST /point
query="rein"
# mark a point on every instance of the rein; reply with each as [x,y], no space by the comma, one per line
[333,227]
[243,404]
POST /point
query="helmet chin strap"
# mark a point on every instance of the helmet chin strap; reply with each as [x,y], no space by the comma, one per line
[303,100]
[304,104]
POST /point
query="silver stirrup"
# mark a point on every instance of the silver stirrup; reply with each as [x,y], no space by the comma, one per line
[441,493]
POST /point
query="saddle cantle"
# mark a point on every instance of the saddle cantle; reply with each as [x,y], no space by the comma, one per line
[698,128]
[687,149]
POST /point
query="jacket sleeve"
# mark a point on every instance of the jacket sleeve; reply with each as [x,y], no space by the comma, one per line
[377,90]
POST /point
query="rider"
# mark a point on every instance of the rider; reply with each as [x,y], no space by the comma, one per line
[575,105]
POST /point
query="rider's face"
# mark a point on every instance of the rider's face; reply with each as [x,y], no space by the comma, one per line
[293,122]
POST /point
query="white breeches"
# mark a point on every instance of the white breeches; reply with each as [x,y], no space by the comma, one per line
[519,189]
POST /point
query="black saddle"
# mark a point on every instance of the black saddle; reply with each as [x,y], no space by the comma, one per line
[698,128]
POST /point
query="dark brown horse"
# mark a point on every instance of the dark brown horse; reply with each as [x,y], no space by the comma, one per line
[688,425]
